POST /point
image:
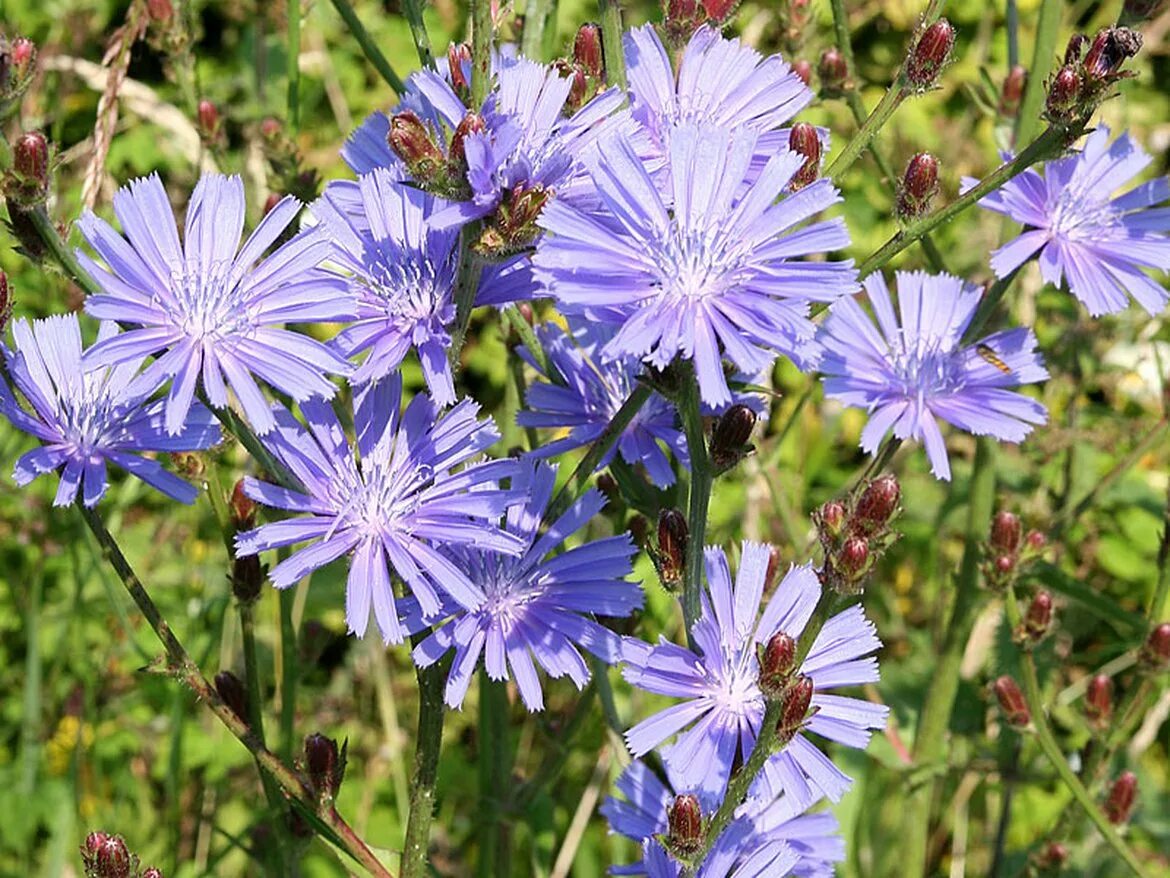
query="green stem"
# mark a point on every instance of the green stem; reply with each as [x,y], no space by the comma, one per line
[184,668]
[431,713]
[529,339]
[873,123]
[1158,610]
[418,32]
[368,46]
[601,445]
[481,51]
[236,426]
[1045,146]
[1051,748]
[60,251]
[987,306]
[698,499]
[288,673]
[466,285]
[930,739]
[611,42]
[293,68]
[536,16]
[1047,31]
[495,768]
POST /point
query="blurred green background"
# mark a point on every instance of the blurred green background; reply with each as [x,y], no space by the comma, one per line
[88,740]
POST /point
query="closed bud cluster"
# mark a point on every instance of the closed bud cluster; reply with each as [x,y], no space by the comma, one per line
[673,535]
[1119,802]
[1013,91]
[1155,652]
[106,856]
[324,765]
[833,72]
[797,699]
[28,182]
[1099,701]
[1038,618]
[1084,81]
[729,438]
[231,689]
[512,227]
[682,18]
[1011,702]
[586,67]
[1007,550]
[930,54]
[684,826]
[803,140]
[289,173]
[777,660]
[918,187]
[855,538]
[433,168]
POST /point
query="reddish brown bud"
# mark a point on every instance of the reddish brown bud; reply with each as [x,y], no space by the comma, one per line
[682,19]
[273,199]
[1119,803]
[1035,541]
[242,508]
[777,662]
[878,504]
[854,558]
[270,128]
[587,50]
[472,123]
[1012,703]
[797,700]
[830,520]
[1051,858]
[5,302]
[1005,533]
[152,872]
[930,54]
[1013,91]
[1063,94]
[412,142]
[803,140]
[684,822]
[719,10]
[803,69]
[729,438]
[247,578]
[30,158]
[1109,50]
[208,119]
[324,764]
[24,53]
[1155,653]
[1005,564]
[1038,619]
[231,690]
[1075,48]
[673,535]
[772,576]
[1099,700]
[160,10]
[833,72]
[93,843]
[458,55]
[918,188]
[112,859]
[527,313]
[639,529]
[608,486]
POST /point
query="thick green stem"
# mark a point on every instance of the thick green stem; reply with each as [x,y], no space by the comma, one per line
[601,445]
[1047,31]
[293,69]
[698,499]
[418,32]
[368,46]
[289,673]
[873,123]
[428,744]
[1051,748]
[39,218]
[481,51]
[495,768]
[611,42]
[930,739]
[1047,145]
[180,664]
[536,18]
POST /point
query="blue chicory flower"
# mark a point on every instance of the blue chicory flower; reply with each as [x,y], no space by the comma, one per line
[1084,232]
[910,374]
[538,605]
[90,417]
[723,705]
[213,309]
[398,507]
[704,270]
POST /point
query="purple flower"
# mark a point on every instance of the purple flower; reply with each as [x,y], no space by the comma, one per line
[1099,242]
[705,270]
[723,706]
[585,392]
[911,374]
[214,308]
[812,839]
[736,854]
[538,604]
[88,417]
[402,273]
[720,83]
[393,509]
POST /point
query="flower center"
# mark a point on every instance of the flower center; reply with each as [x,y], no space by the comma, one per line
[410,291]
[692,265]
[929,368]
[211,303]
[1076,214]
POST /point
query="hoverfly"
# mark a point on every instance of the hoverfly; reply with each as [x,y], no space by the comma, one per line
[988,353]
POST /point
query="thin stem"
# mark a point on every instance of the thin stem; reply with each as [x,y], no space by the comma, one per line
[293,68]
[1047,31]
[698,499]
[418,32]
[368,46]
[289,673]
[60,251]
[529,339]
[611,42]
[481,51]
[184,668]
[1158,609]
[930,739]
[1045,146]
[495,767]
[881,114]
[600,447]
[1051,748]
[466,285]
[429,743]
[536,16]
